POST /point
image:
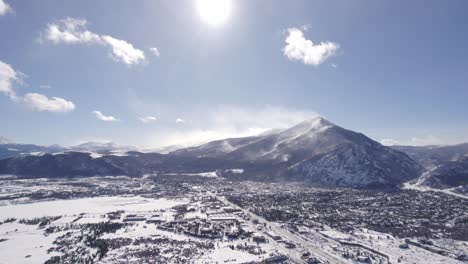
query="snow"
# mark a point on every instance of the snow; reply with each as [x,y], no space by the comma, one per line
[36,153]
[99,205]
[211,174]
[95,155]
[119,153]
[92,219]
[226,255]
[416,186]
[24,240]
[389,245]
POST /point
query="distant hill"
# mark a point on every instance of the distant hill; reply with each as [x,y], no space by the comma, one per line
[432,156]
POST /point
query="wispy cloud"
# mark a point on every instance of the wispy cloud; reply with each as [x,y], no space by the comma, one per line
[180,121]
[74,31]
[301,49]
[4,8]
[226,122]
[148,119]
[34,101]
[40,102]
[99,115]
[155,51]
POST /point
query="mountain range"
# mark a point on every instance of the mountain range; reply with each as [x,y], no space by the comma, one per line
[9,149]
[315,152]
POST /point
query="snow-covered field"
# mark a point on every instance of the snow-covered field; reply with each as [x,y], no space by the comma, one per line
[24,244]
[86,205]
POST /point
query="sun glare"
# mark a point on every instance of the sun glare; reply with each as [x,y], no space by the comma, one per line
[214,12]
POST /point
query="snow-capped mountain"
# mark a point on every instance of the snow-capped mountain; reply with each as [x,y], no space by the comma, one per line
[315,151]
[99,146]
[9,149]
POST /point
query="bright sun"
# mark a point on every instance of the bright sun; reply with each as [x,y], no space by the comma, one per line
[214,12]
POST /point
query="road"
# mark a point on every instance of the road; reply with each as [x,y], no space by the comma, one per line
[309,245]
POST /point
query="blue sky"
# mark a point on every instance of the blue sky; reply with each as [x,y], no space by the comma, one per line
[394,70]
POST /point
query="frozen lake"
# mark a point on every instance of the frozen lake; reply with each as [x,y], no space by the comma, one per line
[86,205]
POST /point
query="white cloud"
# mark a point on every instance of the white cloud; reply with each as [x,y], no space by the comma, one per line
[103,117]
[389,142]
[155,51]
[4,8]
[34,101]
[180,121]
[148,119]
[301,49]
[124,51]
[7,77]
[40,102]
[45,86]
[70,31]
[74,31]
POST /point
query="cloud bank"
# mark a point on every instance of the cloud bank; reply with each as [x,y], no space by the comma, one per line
[74,31]
[301,49]
[99,115]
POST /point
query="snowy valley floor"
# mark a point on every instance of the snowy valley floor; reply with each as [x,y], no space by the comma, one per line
[205,219]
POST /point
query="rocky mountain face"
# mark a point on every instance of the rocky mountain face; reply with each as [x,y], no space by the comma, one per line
[315,151]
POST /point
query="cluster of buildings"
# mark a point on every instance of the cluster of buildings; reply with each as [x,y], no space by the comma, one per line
[203,217]
[402,214]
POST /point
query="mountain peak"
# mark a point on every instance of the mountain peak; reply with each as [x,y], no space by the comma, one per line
[318,121]
[313,125]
